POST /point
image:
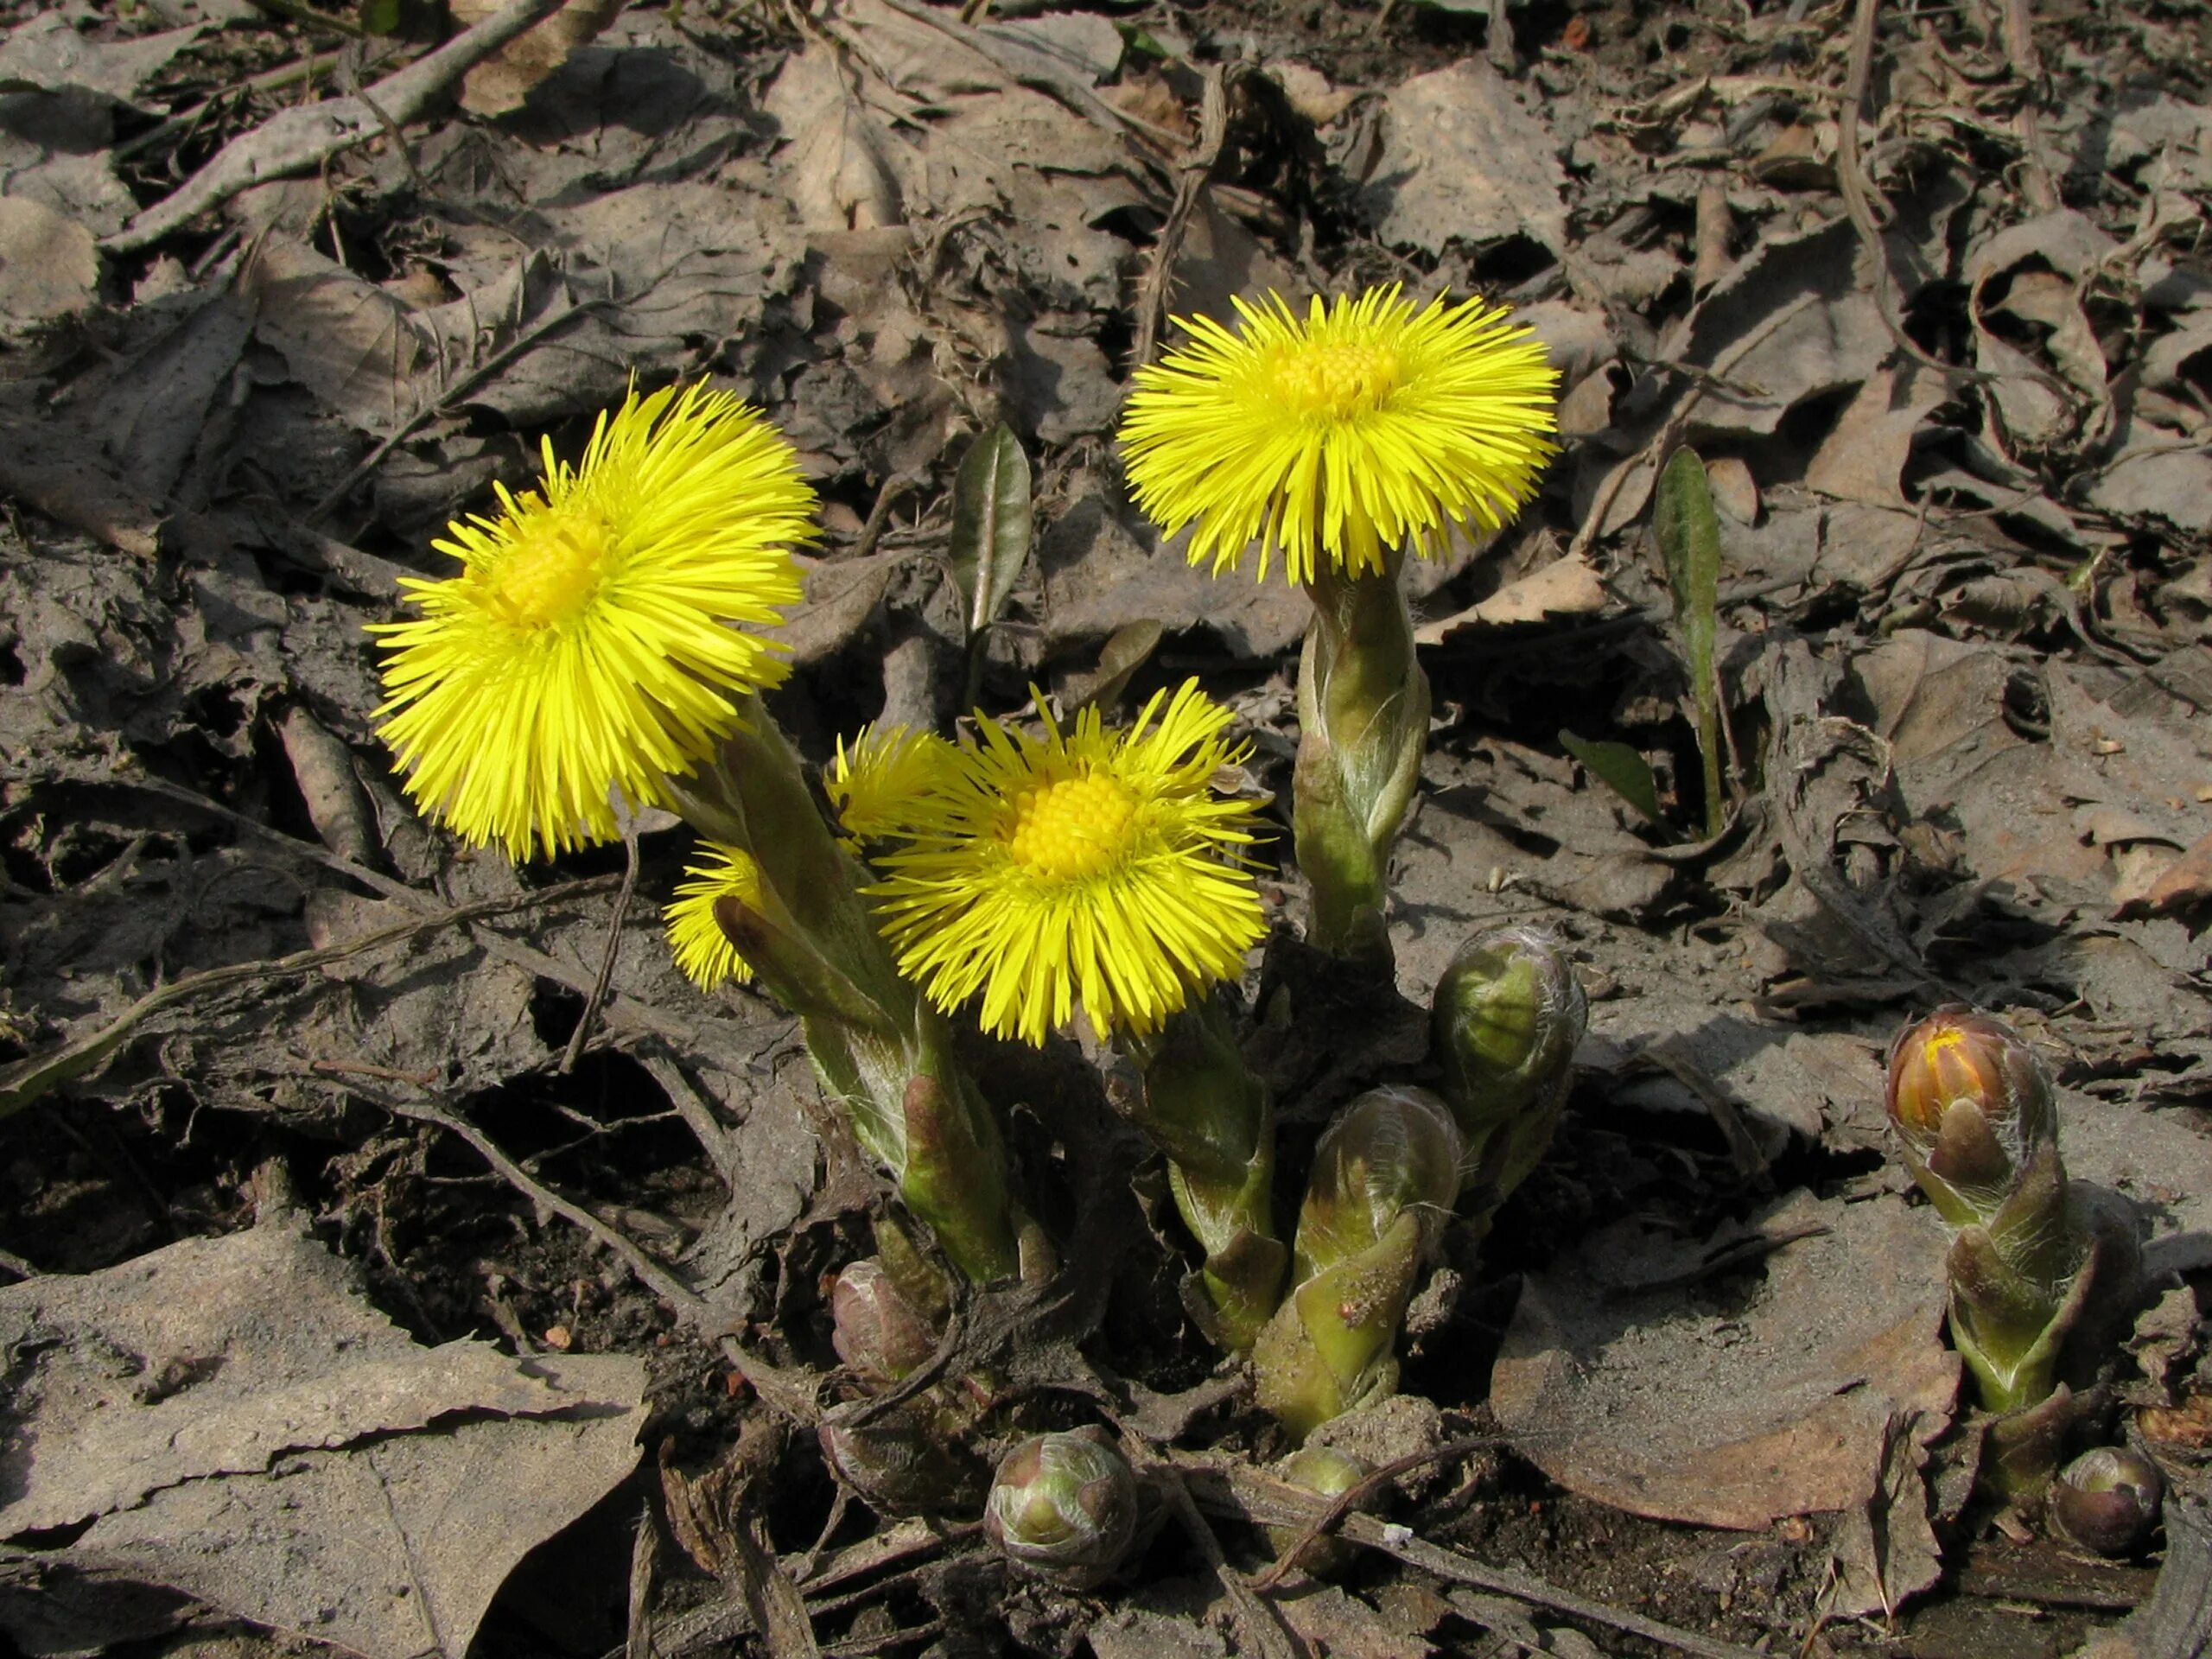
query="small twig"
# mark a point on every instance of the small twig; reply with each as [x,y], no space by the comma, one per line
[301,139]
[1357,1495]
[1261,1621]
[26,1080]
[1664,441]
[2041,189]
[687,1302]
[1247,1494]
[1039,76]
[522,343]
[184,124]
[1851,179]
[1199,163]
[590,1017]
[879,516]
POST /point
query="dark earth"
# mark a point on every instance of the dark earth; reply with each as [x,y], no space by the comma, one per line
[1925,286]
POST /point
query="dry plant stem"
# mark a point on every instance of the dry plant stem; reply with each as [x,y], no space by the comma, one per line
[1260,1620]
[621,1010]
[180,126]
[590,1017]
[1248,1495]
[1362,713]
[1357,1496]
[300,140]
[26,1080]
[2020,45]
[520,346]
[1851,180]
[1153,295]
[1064,87]
[687,1302]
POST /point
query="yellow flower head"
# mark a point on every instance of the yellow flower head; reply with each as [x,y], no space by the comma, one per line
[882,785]
[1369,426]
[702,949]
[587,648]
[1079,866]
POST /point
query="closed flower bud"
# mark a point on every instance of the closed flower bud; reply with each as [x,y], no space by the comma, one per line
[875,1330]
[1394,1150]
[1507,1017]
[2108,1500]
[1971,1104]
[1064,1506]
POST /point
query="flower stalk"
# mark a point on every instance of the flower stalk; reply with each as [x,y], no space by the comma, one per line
[1384,1177]
[883,1053]
[1363,712]
[1213,1119]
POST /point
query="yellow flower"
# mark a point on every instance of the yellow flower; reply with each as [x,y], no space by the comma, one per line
[882,784]
[1079,866]
[587,649]
[702,949]
[1366,427]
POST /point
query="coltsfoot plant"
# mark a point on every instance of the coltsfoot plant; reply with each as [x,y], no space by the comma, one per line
[1972,1108]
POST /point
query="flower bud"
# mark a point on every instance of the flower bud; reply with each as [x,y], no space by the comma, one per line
[1507,1017]
[875,1330]
[1064,1506]
[1971,1104]
[2108,1500]
[1392,1151]
[1327,1472]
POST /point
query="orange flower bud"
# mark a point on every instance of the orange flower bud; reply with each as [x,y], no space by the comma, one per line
[1970,1104]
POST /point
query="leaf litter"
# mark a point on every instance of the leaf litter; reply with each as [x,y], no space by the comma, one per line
[272,311]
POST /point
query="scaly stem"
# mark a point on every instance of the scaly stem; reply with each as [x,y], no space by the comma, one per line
[1363,710]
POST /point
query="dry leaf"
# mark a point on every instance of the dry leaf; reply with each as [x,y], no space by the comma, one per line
[505,79]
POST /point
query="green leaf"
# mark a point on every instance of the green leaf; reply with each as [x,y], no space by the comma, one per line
[1689,541]
[382,17]
[990,524]
[1620,768]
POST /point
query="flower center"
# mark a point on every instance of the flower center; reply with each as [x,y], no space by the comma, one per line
[1071,828]
[1337,381]
[550,572]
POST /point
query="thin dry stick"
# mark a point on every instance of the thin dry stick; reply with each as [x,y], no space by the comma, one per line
[1259,1620]
[1250,1496]
[2020,45]
[1355,1496]
[1663,442]
[1851,179]
[687,1302]
[301,139]
[1190,188]
[590,1017]
[522,343]
[620,1008]
[26,1080]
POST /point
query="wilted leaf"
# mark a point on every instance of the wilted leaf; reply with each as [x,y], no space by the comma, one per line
[237,1424]
[1644,1399]
[502,81]
[1130,649]
[990,524]
[48,264]
[1620,768]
